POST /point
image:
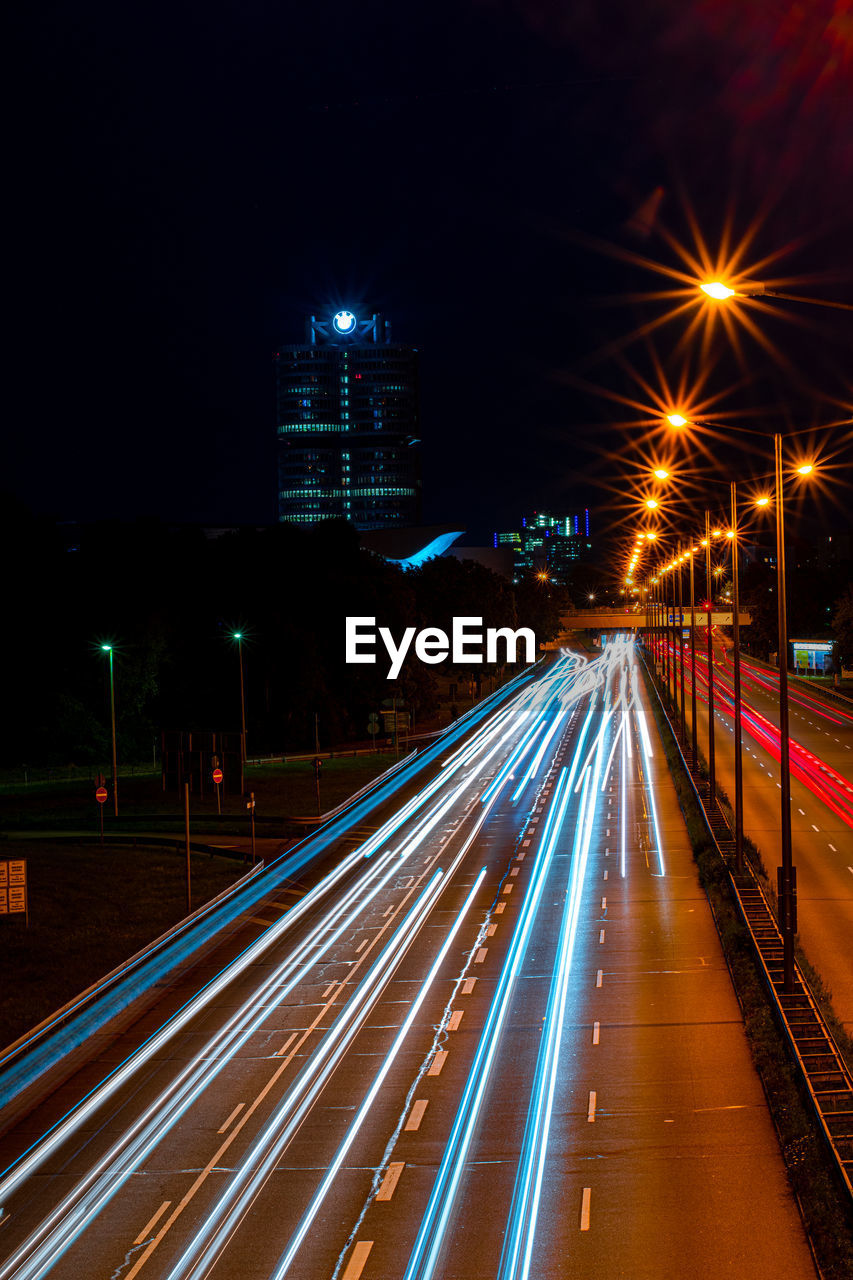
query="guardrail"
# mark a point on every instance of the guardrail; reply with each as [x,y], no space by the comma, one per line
[44,1054]
[822,1069]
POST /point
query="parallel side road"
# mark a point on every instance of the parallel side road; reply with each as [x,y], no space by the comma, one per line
[503,1045]
[822,838]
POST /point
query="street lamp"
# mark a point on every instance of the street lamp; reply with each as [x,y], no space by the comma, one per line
[787,876]
[721,292]
[238,636]
[107,648]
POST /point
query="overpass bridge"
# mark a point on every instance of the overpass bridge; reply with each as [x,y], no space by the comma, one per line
[626,619]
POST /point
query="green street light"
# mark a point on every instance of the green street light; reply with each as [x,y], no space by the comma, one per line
[107,648]
[238,636]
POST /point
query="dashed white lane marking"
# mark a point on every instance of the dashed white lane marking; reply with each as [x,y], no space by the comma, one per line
[389,1182]
[802,811]
[362,945]
[508,888]
[513,871]
[279,1053]
[500,908]
[814,828]
[491,930]
[233,1116]
[585,1199]
[603,904]
[599,978]
[416,1115]
[850,869]
[525,844]
[388,911]
[329,988]
[481,955]
[437,1063]
[601,935]
[468,986]
[519,857]
[596,1032]
[454,1020]
[355,1266]
[590,1111]
[149,1226]
[605,873]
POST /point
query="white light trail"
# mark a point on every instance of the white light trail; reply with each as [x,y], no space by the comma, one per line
[428,1244]
[311,1212]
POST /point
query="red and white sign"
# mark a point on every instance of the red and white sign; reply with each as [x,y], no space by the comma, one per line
[217,776]
[101,795]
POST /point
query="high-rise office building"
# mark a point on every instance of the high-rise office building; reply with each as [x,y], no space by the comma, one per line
[547,544]
[348,425]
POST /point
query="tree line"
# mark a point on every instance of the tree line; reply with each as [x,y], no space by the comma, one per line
[169,599]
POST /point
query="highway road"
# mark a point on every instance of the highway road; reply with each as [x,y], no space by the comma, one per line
[495,1038]
[821,802]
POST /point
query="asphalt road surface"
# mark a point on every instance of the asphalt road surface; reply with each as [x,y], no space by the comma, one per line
[821,802]
[495,1039]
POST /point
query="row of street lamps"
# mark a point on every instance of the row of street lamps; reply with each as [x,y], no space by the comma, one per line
[660,603]
[787,871]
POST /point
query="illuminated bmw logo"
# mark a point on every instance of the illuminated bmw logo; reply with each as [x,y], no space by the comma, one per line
[344,322]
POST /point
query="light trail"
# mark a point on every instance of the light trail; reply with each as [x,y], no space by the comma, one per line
[232,1205]
[283,1265]
[263,1154]
[430,1238]
[827,785]
[542,713]
[76,1211]
[517,1254]
[137,1142]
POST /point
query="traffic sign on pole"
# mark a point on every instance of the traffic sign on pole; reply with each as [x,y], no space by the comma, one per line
[101,795]
[217,776]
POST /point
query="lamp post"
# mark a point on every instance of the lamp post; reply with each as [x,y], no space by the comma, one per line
[738,728]
[238,636]
[681,637]
[787,874]
[712,781]
[108,649]
[693,743]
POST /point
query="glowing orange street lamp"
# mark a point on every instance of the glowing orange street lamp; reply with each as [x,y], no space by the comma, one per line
[717,290]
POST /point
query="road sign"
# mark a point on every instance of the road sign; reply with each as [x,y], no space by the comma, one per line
[13,887]
[101,795]
[217,776]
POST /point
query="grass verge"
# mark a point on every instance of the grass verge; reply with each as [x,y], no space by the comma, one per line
[282,792]
[810,1168]
[91,908]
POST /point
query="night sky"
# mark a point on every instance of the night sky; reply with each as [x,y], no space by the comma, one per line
[188,181]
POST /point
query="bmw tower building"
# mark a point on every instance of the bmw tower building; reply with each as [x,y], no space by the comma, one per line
[347,424]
